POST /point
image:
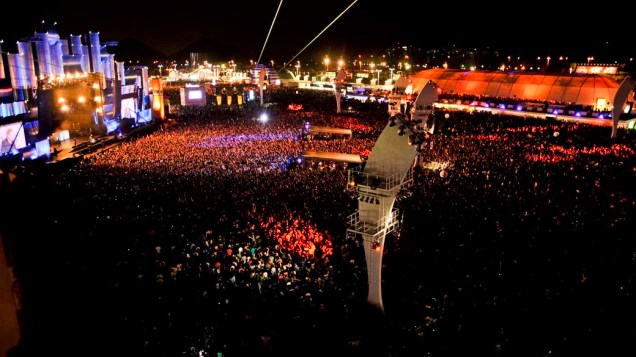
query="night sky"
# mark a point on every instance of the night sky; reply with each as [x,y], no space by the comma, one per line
[537,28]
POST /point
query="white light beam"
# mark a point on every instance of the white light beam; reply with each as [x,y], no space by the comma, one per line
[270,31]
[318,35]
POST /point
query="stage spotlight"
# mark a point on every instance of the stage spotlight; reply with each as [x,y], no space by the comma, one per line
[263,118]
[376,246]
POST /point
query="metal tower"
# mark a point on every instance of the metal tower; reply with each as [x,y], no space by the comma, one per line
[388,170]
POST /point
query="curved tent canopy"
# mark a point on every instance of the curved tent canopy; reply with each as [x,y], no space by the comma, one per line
[583,89]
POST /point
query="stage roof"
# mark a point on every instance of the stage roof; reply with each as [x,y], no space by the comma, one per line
[584,89]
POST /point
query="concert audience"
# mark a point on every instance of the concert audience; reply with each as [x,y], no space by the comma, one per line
[211,238]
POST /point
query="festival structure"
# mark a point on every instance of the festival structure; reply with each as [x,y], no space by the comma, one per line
[386,173]
[54,88]
[580,96]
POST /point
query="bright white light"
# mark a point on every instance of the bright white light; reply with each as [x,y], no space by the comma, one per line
[195,94]
[263,118]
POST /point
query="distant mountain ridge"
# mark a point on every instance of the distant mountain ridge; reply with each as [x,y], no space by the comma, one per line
[131,50]
[134,51]
[211,50]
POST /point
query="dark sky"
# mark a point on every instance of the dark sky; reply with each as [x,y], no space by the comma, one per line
[534,28]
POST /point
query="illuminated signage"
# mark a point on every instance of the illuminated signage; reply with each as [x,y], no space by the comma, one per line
[195,94]
[596,69]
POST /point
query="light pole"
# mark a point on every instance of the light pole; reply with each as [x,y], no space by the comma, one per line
[297,68]
[160,66]
[372,66]
[326,61]
[379,70]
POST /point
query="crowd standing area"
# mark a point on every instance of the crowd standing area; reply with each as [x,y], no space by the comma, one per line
[210,237]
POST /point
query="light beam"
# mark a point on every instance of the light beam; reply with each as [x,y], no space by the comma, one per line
[270,31]
[318,35]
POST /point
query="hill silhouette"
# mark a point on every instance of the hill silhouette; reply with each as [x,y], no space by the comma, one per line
[211,50]
[131,50]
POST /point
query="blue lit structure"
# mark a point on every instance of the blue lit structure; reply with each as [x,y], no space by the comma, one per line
[71,82]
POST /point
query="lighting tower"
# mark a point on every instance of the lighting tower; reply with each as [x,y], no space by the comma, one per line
[339,82]
[386,173]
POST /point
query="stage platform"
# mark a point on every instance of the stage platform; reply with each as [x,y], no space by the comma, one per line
[80,147]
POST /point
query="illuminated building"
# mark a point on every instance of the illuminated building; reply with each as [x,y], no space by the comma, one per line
[272,77]
[55,83]
[576,94]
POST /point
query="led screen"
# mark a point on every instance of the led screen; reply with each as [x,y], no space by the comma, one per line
[43,147]
[128,108]
[11,138]
[195,94]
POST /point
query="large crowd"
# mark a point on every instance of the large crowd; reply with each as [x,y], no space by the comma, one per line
[213,237]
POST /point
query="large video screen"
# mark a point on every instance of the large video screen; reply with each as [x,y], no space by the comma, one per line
[11,138]
[128,108]
[195,94]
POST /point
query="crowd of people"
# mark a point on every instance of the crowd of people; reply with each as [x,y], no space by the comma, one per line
[524,242]
[213,237]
